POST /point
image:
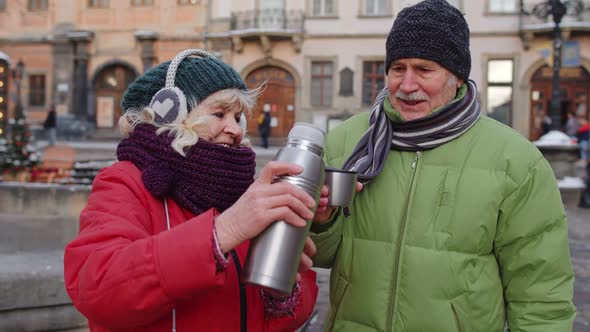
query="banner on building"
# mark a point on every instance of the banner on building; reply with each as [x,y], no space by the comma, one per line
[105,112]
[570,54]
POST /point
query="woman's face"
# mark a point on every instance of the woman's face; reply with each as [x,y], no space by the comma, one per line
[218,124]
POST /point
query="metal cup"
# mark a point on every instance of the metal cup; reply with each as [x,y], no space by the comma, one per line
[341,185]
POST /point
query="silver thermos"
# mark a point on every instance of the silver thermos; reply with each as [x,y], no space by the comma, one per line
[274,255]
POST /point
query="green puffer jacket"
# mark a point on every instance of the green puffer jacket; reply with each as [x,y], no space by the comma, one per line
[464,237]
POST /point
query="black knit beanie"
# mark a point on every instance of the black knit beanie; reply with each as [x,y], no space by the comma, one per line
[432,30]
[198,78]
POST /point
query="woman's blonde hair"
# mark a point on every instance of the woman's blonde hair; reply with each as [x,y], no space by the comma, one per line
[186,133]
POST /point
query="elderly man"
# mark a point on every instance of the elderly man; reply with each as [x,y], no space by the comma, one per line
[459,225]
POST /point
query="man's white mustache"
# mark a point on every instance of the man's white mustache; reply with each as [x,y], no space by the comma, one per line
[414,96]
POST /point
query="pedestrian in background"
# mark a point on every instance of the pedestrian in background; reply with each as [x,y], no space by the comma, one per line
[585,197]
[264,127]
[459,225]
[572,124]
[583,136]
[546,124]
[50,125]
[164,236]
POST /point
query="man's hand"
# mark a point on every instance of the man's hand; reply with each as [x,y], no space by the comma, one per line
[324,211]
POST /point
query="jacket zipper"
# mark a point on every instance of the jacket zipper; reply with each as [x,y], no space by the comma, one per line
[400,239]
[243,303]
[456,317]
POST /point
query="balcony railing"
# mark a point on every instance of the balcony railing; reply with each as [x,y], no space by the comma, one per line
[279,20]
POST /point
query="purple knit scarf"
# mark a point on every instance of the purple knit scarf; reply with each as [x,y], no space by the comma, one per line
[209,176]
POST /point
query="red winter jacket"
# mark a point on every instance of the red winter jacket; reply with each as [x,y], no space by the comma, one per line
[126,272]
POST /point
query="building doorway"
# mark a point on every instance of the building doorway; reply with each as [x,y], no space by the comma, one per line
[110,84]
[278,98]
[575,96]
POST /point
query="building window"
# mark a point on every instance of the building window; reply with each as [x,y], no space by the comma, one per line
[188,2]
[37,90]
[455,3]
[373,80]
[376,7]
[346,82]
[502,6]
[499,90]
[37,5]
[141,3]
[272,4]
[321,83]
[323,8]
[98,3]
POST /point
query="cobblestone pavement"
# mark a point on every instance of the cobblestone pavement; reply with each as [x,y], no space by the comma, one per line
[579,234]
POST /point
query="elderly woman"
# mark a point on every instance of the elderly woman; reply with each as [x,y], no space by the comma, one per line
[165,233]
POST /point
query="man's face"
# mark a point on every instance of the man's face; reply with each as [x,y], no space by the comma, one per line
[417,86]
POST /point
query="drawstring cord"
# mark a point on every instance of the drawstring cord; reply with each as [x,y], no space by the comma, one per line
[168,226]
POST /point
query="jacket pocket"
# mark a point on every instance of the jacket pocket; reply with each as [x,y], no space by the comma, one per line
[456,316]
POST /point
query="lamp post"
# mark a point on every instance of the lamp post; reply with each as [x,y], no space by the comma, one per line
[557,10]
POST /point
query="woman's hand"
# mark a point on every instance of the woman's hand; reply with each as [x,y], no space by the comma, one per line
[308,252]
[262,204]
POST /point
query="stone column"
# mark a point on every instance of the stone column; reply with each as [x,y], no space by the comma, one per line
[562,158]
[146,39]
[61,90]
[562,155]
[80,41]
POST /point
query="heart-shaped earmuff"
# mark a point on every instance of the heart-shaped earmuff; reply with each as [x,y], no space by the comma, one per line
[169,104]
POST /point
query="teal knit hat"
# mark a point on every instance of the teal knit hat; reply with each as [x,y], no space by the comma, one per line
[196,77]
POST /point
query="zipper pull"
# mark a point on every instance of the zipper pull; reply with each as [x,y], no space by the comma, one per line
[418,154]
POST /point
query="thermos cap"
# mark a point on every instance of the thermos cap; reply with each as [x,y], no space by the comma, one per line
[306,131]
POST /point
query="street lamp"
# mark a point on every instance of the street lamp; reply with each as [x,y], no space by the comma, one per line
[557,9]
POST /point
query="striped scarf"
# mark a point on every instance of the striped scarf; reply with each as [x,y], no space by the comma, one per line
[427,133]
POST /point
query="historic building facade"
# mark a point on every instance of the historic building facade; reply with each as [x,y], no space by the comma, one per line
[322,60]
[81,55]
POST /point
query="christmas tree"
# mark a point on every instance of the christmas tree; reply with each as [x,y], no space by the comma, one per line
[16,152]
